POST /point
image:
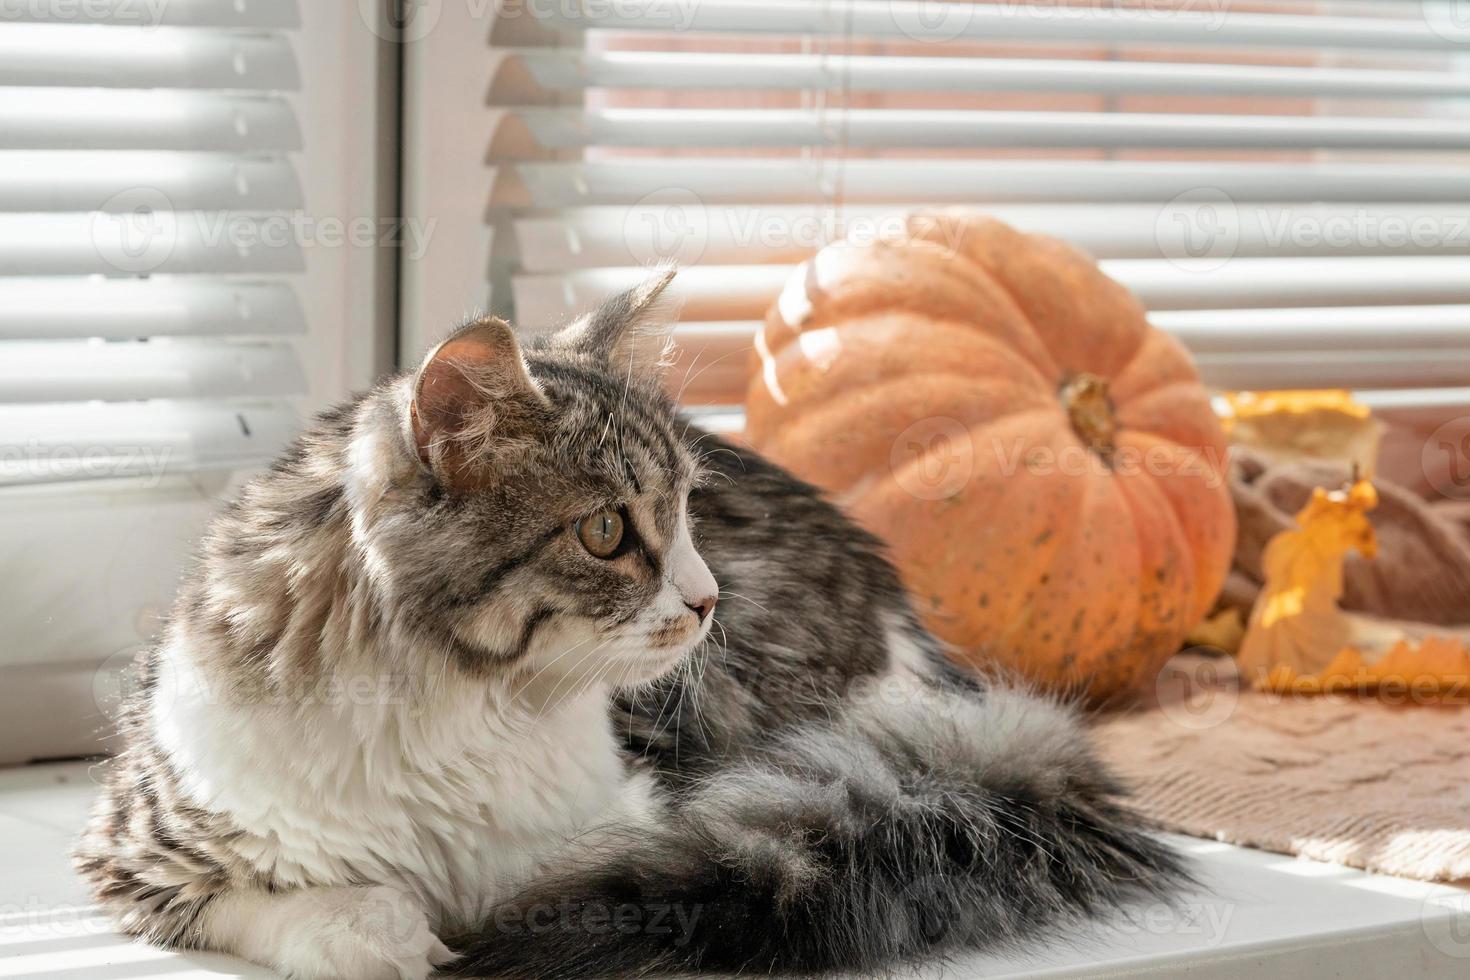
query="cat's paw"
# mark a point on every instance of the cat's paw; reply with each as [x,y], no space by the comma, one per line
[377,933]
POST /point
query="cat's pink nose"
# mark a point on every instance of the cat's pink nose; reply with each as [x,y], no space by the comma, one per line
[702,607]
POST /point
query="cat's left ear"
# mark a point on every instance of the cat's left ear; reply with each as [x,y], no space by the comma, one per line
[472,389]
[632,331]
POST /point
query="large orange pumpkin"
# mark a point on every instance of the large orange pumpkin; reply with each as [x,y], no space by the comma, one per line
[1044,464]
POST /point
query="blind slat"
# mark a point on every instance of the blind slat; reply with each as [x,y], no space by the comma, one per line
[917,20]
[947,181]
[138,439]
[111,119]
[937,128]
[1421,405]
[568,70]
[32,309]
[153,243]
[56,55]
[49,180]
[1326,330]
[1315,369]
[720,384]
[83,371]
[1264,283]
[1371,328]
[160,13]
[744,292]
[1327,348]
[1201,233]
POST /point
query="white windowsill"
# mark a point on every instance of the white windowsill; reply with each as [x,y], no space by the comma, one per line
[1267,915]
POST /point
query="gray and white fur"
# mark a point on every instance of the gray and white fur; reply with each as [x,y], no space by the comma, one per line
[449,688]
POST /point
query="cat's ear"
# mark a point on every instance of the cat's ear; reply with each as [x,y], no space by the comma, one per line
[632,331]
[472,389]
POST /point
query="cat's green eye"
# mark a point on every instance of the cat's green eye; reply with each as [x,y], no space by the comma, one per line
[601,533]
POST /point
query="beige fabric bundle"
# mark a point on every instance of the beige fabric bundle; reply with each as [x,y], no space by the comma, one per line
[1422,572]
[1344,779]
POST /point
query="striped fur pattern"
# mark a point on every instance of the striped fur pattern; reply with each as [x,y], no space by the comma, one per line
[449,689]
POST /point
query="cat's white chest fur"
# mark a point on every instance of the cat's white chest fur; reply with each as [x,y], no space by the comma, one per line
[458,806]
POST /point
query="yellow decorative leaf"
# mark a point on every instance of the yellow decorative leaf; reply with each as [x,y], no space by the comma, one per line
[1288,425]
[1280,679]
[1296,622]
[1435,666]
[1223,631]
[1434,671]
[1346,670]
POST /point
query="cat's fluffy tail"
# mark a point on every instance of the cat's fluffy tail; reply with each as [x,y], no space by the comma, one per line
[945,823]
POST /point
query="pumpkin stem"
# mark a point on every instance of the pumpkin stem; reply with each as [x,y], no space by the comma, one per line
[1085,397]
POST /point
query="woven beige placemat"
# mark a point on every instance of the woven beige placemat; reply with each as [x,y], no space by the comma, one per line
[1347,779]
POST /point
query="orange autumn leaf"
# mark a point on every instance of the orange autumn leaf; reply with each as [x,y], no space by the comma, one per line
[1439,664]
[1438,669]
[1223,631]
[1445,656]
[1284,426]
[1296,622]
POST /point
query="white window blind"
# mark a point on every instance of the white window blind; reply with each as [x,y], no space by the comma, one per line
[147,190]
[196,201]
[1285,185]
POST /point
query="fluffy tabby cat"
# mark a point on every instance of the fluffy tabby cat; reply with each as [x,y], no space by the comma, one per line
[447,672]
